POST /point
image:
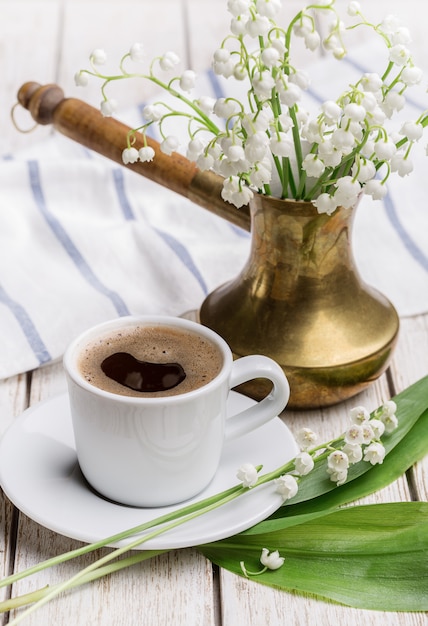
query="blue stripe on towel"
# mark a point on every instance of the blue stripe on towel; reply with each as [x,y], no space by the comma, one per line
[215,84]
[176,246]
[184,255]
[68,244]
[125,205]
[28,328]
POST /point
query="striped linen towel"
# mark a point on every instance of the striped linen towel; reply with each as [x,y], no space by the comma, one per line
[83,240]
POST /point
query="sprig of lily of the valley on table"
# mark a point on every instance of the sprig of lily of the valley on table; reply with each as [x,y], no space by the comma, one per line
[371,556]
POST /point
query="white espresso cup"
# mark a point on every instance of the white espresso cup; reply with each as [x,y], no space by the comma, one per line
[157,448]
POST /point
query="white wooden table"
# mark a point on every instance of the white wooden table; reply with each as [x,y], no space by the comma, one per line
[47,41]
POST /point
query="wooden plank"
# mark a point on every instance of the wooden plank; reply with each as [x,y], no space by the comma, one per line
[28,51]
[13,400]
[410,363]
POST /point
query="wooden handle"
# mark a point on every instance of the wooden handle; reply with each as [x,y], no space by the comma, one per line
[107,136]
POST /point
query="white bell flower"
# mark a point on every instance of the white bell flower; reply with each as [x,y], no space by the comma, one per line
[238,26]
[374,453]
[376,189]
[130,155]
[205,162]
[304,463]
[306,438]
[372,82]
[411,75]
[325,204]
[393,102]
[354,8]
[168,61]
[401,164]
[248,474]
[98,56]
[401,36]
[261,174]
[281,145]
[312,165]
[187,80]
[312,40]
[332,111]
[347,191]
[412,130]
[169,144]
[359,415]
[389,408]
[390,24]
[258,26]
[286,486]
[238,7]
[195,148]
[256,146]
[108,107]
[337,476]
[137,53]
[368,434]
[269,8]
[343,140]
[390,421]
[378,428]
[354,435]
[152,112]
[354,452]
[224,108]
[81,79]
[271,560]
[263,83]
[235,192]
[146,154]
[399,54]
[385,149]
[206,104]
[337,461]
[364,170]
[289,93]
[279,44]
[270,56]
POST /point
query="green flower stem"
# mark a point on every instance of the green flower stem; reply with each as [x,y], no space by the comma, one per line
[80,577]
[209,124]
[168,517]
[35,596]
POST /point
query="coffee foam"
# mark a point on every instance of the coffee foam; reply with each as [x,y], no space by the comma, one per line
[199,357]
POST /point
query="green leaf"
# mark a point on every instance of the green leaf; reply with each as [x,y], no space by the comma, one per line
[368,557]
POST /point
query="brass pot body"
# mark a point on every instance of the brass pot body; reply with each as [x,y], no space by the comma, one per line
[300,300]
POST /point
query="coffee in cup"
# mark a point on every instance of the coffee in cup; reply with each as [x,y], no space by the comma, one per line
[150,361]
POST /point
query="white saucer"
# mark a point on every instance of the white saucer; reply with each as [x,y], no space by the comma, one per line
[40,475]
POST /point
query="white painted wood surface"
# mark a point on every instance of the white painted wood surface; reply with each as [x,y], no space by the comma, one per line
[47,41]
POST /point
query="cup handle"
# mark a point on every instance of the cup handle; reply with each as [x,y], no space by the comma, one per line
[247,368]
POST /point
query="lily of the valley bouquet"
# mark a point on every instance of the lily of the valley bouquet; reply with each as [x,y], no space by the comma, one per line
[268,142]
